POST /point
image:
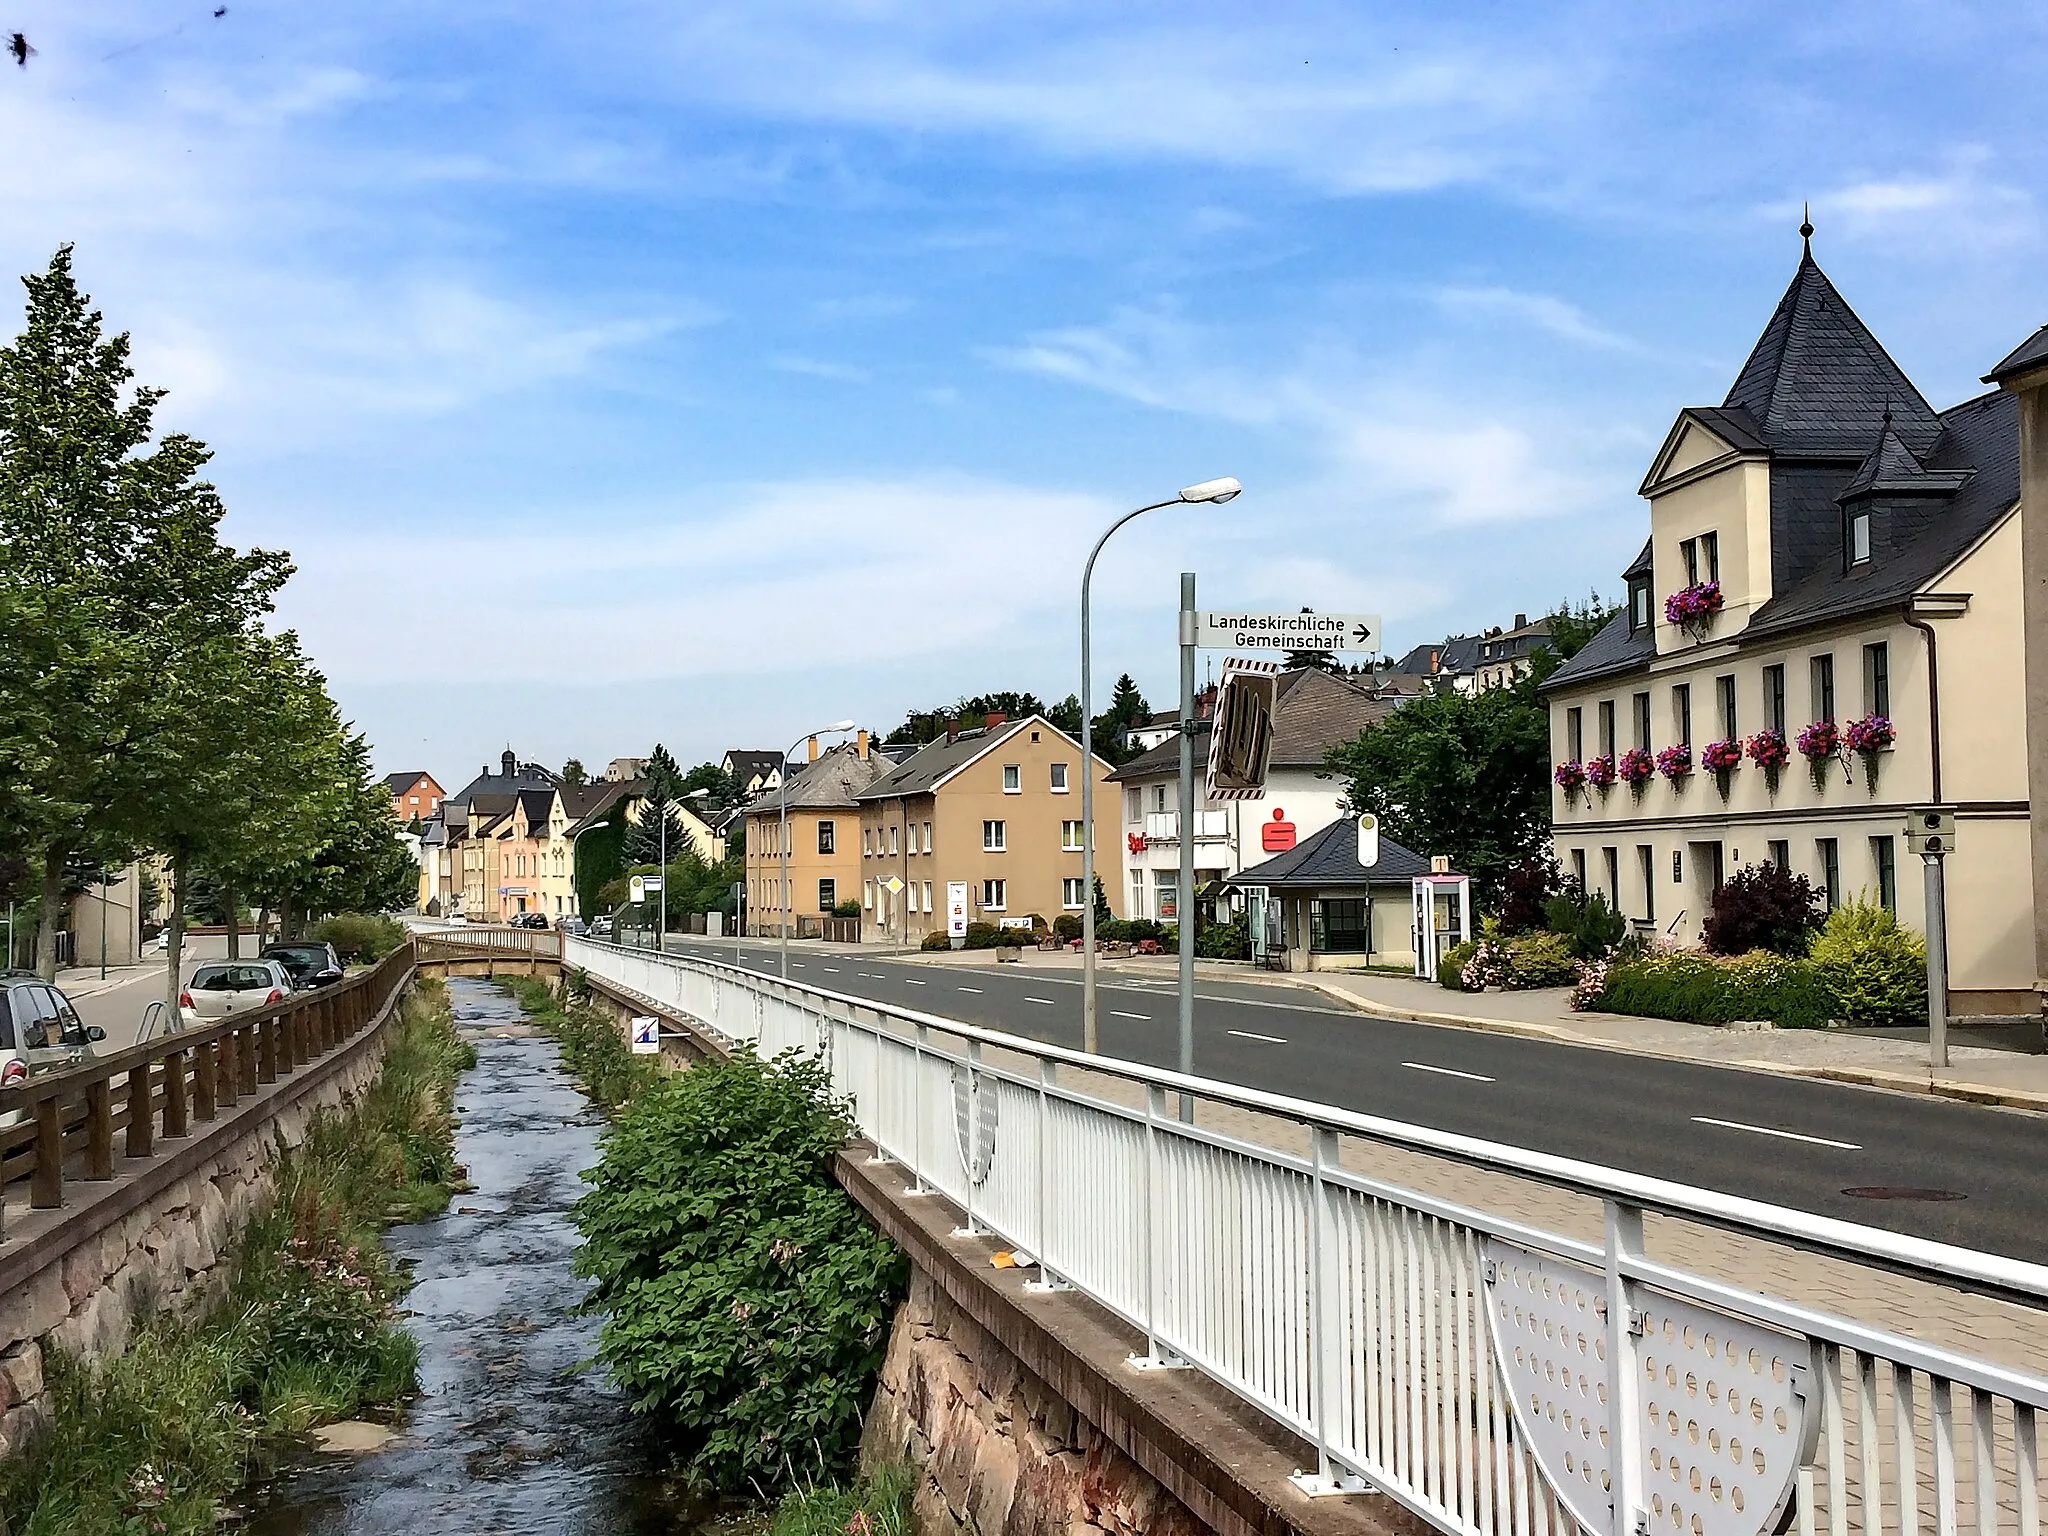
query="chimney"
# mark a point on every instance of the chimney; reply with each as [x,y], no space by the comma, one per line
[1521,621]
[995,718]
[1205,703]
[860,745]
[952,728]
[811,745]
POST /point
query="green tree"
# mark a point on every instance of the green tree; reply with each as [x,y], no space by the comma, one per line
[574,775]
[664,780]
[1571,626]
[711,776]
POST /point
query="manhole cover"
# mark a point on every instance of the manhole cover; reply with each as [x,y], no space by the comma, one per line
[1902,1192]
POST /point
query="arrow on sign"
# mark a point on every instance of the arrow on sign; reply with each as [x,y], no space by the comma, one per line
[1361,634]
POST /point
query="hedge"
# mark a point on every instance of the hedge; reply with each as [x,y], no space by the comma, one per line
[1700,989]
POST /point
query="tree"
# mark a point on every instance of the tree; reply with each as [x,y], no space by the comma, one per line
[922,726]
[664,782]
[1570,628]
[573,775]
[723,786]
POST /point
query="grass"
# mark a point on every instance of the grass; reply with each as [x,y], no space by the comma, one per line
[307,1333]
[594,1049]
[878,1505]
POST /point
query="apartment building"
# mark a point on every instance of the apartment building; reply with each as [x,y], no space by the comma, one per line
[414,796]
[824,864]
[997,809]
[1833,565]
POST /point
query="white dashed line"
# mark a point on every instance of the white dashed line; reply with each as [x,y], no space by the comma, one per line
[1043,1001]
[1423,1066]
[831,970]
[1245,1034]
[967,989]
[910,982]
[1765,1130]
[1119,1013]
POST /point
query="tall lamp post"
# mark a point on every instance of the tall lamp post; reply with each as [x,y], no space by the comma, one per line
[1214,491]
[782,834]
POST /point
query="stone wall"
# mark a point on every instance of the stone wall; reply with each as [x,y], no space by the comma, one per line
[169,1254]
[998,1451]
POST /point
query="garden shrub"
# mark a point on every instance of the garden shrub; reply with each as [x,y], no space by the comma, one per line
[1878,968]
[1540,960]
[1527,890]
[1761,906]
[983,936]
[1450,969]
[1067,927]
[847,908]
[1226,941]
[364,936]
[1706,989]
[1589,926]
[747,1301]
[938,938]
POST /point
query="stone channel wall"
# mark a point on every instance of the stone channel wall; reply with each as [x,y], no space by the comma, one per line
[170,1253]
[997,1451]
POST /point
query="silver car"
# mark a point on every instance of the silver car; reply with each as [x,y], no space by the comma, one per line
[39,1032]
[223,987]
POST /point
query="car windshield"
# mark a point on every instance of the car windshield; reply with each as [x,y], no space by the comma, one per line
[232,978]
[298,957]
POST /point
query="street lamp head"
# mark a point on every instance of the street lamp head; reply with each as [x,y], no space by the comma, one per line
[1212,490]
[842,725]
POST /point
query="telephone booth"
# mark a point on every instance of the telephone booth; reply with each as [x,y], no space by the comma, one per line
[1441,918]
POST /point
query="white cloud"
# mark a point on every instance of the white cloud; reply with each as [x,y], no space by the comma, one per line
[1540,310]
[1965,204]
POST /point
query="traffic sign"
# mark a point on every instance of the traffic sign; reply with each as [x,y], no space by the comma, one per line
[650,882]
[636,890]
[893,885]
[1249,633]
[956,909]
[1368,840]
[646,1036]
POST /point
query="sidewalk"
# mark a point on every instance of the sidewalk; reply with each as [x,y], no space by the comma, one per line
[78,981]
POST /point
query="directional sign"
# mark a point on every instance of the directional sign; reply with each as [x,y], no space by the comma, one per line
[646,1037]
[1252,633]
[956,909]
[650,883]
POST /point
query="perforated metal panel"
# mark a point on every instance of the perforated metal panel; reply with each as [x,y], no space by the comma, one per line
[974,1100]
[1724,1420]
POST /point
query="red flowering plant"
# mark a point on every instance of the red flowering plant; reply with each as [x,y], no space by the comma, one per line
[1693,608]
[1635,769]
[1675,763]
[1767,749]
[1818,743]
[1722,758]
[1867,738]
[1570,777]
[1600,772]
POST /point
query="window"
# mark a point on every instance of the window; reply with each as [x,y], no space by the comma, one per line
[927,837]
[994,837]
[867,894]
[866,846]
[1071,896]
[1638,604]
[1607,727]
[927,895]
[1611,857]
[1642,703]
[1822,668]
[892,842]
[827,832]
[828,895]
[1710,555]
[1579,868]
[1856,537]
[1070,836]
[1059,778]
[1013,779]
[1647,857]
[1340,927]
[1690,550]
[1830,870]
[1137,906]
[1724,686]
[1774,697]
[1159,798]
[993,897]
[1882,857]
[1877,679]
[1681,713]
[1134,807]
[1574,734]
[1781,853]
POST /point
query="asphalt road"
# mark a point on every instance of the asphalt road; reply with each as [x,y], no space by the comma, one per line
[1791,1141]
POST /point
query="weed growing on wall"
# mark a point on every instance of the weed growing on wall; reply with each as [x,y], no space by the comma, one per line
[307,1333]
[746,1300]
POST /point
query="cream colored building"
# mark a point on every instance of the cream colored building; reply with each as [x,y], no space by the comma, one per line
[1866,553]
[998,808]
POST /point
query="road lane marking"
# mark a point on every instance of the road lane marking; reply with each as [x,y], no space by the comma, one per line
[1423,1066]
[831,970]
[1765,1130]
[967,989]
[1246,1034]
[909,981]
[1045,1001]
[1119,1013]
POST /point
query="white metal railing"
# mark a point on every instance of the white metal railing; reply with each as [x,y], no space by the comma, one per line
[1495,1379]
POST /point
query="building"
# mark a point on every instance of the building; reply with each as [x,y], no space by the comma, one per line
[1506,655]
[1469,663]
[512,776]
[824,827]
[107,920]
[513,856]
[751,771]
[1313,711]
[622,769]
[414,796]
[1162,725]
[997,809]
[1828,556]
[1317,908]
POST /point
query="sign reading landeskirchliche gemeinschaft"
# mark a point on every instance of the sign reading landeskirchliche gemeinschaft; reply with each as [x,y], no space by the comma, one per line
[1253,633]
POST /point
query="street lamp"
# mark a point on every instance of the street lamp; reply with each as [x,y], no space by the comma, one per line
[1212,491]
[782,834]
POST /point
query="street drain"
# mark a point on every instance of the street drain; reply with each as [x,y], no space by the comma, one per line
[1902,1192]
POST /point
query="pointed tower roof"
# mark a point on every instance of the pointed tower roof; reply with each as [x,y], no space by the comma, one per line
[1892,468]
[1817,380]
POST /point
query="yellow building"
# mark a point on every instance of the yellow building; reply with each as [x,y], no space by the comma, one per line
[824,825]
[1826,551]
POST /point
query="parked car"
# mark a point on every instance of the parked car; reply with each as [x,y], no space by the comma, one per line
[223,987]
[530,920]
[601,926]
[571,924]
[39,1032]
[309,962]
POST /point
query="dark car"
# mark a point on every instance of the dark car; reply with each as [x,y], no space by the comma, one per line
[530,920]
[310,963]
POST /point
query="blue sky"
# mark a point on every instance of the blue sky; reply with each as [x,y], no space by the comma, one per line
[631,371]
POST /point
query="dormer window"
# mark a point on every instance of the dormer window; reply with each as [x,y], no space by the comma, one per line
[1638,604]
[1856,537]
[1702,557]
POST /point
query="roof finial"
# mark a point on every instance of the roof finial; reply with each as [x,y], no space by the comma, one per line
[1806,226]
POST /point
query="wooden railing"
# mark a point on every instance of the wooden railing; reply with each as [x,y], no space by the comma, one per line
[162,1087]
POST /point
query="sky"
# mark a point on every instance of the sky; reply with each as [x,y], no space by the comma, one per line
[620,372]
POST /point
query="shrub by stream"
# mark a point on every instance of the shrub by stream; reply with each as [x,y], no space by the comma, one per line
[308,1332]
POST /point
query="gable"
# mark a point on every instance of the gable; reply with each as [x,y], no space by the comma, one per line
[1690,451]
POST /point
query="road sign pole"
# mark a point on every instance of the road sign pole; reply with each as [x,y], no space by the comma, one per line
[1937,961]
[1184,906]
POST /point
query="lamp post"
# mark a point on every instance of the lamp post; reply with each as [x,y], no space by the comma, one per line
[1214,491]
[782,834]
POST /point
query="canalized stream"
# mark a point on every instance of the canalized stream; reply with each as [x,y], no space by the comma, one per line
[508,1434]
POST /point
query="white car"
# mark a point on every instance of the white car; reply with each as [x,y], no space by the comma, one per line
[39,1032]
[219,988]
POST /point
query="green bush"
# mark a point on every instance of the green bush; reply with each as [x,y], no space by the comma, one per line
[983,936]
[594,1049]
[1703,989]
[364,936]
[1540,960]
[938,938]
[1589,926]
[746,1299]
[1067,927]
[847,908]
[1877,968]
[1226,941]
[1450,969]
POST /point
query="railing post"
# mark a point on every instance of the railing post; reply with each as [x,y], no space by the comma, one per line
[973,1132]
[46,1186]
[921,1040]
[99,1130]
[266,1050]
[141,1110]
[1624,1240]
[175,1122]
[1155,1108]
[245,1057]
[205,1080]
[1048,1279]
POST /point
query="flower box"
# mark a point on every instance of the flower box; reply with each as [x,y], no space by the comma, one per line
[1675,763]
[1570,777]
[1769,751]
[1693,608]
[1869,738]
[1818,743]
[1636,768]
[1600,773]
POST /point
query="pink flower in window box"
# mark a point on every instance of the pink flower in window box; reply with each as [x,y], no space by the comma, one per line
[1693,608]
[1675,763]
[1636,768]
[1600,773]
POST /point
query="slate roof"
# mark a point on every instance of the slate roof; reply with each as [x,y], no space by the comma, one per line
[397,781]
[2024,358]
[746,763]
[522,776]
[539,803]
[830,783]
[1314,711]
[1330,858]
[1453,656]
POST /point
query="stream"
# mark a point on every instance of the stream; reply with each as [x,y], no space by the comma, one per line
[509,1432]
